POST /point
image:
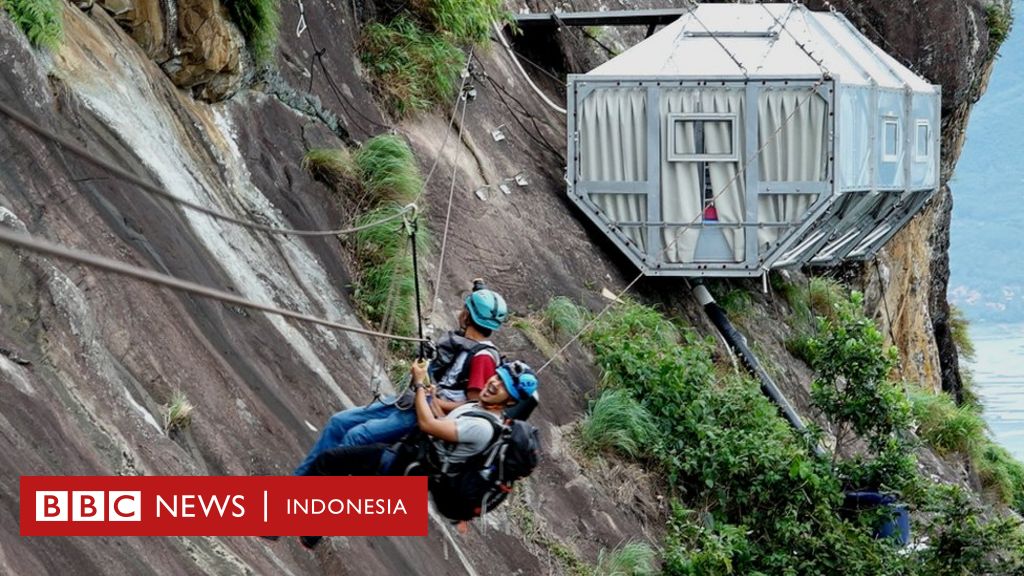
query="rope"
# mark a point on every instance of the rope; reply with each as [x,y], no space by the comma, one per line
[504,95]
[451,120]
[448,213]
[123,174]
[693,12]
[301,27]
[41,246]
[774,39]
[803,47]
[539,68]
[863,17]
[386,325]
[885,301]
[318,53]
[413,227]
[529,81]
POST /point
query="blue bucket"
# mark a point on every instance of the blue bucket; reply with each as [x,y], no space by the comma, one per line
[898,525]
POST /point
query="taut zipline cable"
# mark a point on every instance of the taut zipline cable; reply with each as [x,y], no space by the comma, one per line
[31,243]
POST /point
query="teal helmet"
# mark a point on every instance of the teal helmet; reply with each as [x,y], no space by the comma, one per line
[487,309]
[520,380]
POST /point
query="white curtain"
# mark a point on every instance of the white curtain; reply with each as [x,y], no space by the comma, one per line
[613,148]
[791,136]
[682,199]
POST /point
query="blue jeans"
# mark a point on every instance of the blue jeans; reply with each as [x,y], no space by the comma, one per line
[376,422]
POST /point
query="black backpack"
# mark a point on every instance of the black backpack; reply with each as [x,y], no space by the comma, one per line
[469,489]
[448,350]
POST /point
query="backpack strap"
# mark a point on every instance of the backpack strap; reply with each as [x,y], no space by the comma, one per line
[487,454]
[462,379]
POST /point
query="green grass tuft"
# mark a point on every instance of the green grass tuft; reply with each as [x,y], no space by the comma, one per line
[999,23]
[617,423]
[563,317]
[40,20]
[178,413]
[386,174]
[736,302]
[333,166]
[633,559]
[959,327]
[1002,475]
[385,267]
[388,170]
[824,294]
[259,21]
[945,426]
[463,21]
[412,68]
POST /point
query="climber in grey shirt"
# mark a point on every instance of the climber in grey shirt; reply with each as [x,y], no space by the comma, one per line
[474,434]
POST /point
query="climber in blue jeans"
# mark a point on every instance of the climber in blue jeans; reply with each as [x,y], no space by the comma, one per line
[466,360]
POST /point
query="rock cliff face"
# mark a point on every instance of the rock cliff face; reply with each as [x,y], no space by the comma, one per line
[88,360]
[947,42]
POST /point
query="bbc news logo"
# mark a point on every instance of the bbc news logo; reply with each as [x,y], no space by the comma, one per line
[89,506]
[222,506]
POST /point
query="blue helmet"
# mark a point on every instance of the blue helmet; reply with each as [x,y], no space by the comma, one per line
[520,380]
[487,309]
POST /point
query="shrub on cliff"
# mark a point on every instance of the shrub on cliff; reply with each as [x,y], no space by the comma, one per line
[258,20]
[40,20]
[752,499]
[381,177]
[413,69]
[415,58]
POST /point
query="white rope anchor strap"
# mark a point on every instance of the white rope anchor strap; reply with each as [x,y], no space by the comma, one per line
[301,26]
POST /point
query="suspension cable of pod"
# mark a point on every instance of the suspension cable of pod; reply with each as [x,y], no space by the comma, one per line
[411,227]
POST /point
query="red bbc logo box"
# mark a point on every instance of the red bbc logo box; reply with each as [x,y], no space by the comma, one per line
[89,506]
[223,506]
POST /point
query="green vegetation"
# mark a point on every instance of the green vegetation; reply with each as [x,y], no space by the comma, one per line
[333,166]
[412,68]
[735,301]
[946,427]
[617,422]
[962,543]
[999,23]
[40,20]
[852,386]
[959,326]
[415,58]
[384,176]
[752,500]
[563,317]
[388,171]
[1001,474]
[259,21]
[949,428]
[533,329]
[817,299]
[462,21]
[537,536]
[178,414]
[632,559]
[386,289]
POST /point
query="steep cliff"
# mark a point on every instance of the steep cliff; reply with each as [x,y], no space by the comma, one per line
[165,90]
